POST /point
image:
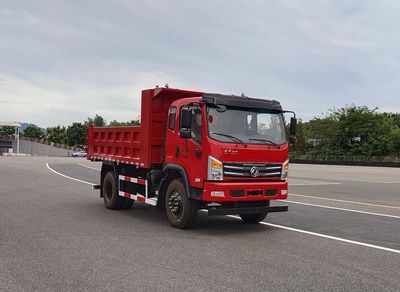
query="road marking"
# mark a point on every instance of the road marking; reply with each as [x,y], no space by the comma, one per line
[66,176]
[342,209]
[315,184]
[347,179]
[345,201]
[278,226]
[326,236]
[88,166]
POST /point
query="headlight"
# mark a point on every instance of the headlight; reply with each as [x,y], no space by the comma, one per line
[215,169]
[285,170]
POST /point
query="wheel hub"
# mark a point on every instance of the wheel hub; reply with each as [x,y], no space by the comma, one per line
[175,204]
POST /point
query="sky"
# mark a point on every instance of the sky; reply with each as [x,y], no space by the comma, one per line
[65,61]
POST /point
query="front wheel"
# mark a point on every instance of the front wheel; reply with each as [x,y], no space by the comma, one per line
[181,210]
[253,218]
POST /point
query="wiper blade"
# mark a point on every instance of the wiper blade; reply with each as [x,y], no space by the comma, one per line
[233,138]
[220,108]
[264,140]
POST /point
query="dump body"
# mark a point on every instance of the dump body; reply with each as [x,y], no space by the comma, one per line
[121,144]
[139,145]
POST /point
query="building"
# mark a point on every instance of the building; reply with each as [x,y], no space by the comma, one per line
[6,143]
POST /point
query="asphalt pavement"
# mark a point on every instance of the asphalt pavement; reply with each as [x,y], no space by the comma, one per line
[341,233]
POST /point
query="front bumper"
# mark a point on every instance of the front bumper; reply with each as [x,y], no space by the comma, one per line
[244,210]
[244,191]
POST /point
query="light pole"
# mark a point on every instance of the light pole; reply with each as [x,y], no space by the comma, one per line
[17,125]
[17,141]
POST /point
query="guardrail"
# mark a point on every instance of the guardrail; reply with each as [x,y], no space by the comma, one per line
[384,161]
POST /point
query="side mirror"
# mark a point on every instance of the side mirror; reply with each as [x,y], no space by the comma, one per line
[185,123]
[184,133]
[186,118]
[293,130]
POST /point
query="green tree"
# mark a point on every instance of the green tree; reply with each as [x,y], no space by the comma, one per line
[7,130]
[97,121]
[351,130]
[301,144]
[323,134]
[76,135]
[356,129]
[115,123]
[56,134]
[394,141]
[33,132]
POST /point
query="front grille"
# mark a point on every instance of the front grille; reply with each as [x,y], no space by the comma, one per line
[246,170]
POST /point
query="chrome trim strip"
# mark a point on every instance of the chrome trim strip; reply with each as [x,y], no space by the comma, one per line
[228,173]
[235,167]
[236,173]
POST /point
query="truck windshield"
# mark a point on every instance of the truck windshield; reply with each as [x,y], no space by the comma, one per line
[246,126]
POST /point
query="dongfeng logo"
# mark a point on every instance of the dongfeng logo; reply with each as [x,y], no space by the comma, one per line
[254,171]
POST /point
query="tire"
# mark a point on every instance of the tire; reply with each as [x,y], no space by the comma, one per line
[253,218]
[112,200]
[127,204]
[181,210]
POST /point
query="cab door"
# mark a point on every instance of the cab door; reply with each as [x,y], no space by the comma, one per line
[188,150]
[171,135]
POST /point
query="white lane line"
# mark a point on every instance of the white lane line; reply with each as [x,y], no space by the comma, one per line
[347,179]
[281,226]
[88,166]
[344,201]
[327,236]
[314,184]
[66,176]
[341,209]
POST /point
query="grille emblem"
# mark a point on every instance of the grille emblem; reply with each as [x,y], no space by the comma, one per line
[254,171]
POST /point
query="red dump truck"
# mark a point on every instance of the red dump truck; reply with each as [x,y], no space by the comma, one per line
[224,154]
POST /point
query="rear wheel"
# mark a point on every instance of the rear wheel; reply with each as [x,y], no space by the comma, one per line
[127,204]
[181,210]
[112,200]
[253,218]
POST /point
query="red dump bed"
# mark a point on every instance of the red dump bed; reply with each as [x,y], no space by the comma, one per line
[114,143]
[140,145]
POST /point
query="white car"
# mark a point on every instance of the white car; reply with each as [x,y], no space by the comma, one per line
[79,154]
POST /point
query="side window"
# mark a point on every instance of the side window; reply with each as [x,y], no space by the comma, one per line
[172,117]
[196,124]
[252,123]
[264,123]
